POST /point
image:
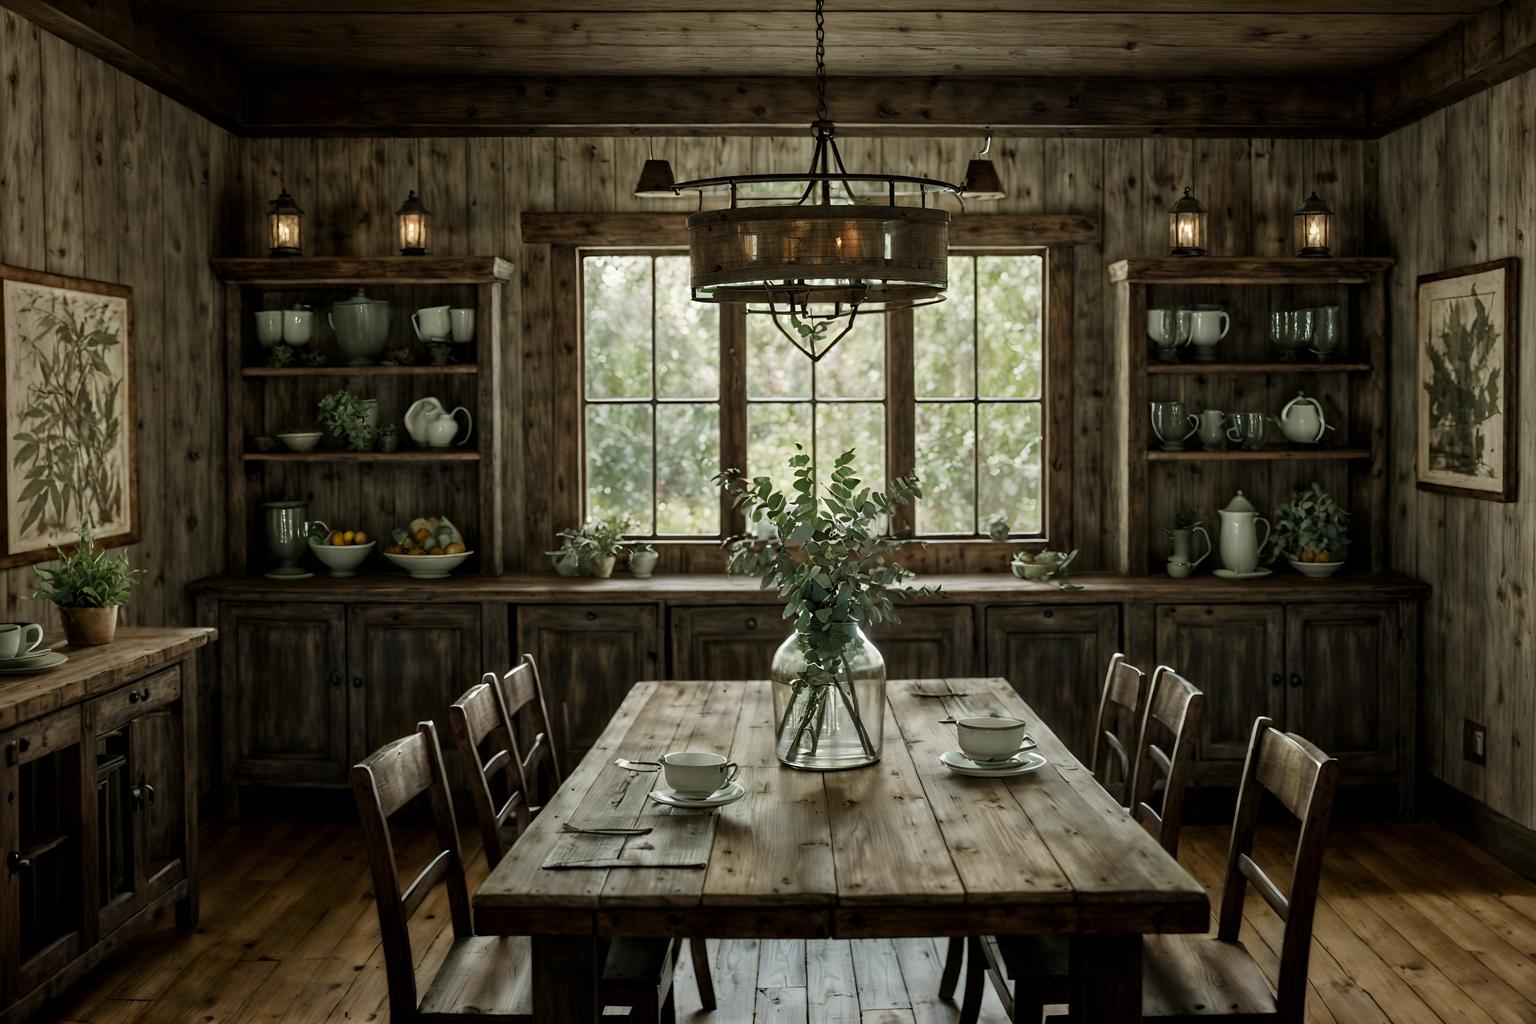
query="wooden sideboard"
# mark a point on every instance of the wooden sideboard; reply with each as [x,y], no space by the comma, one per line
[98,818]
[313,674]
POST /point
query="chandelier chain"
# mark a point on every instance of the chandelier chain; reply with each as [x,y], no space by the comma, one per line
[821,61]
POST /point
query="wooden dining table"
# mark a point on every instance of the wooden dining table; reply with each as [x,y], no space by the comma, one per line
[901,848]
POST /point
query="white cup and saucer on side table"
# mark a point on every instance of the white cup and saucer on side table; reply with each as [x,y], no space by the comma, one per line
[992,746]
[697,780]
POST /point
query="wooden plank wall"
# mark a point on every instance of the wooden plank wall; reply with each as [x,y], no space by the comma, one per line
[1458,188]
[101,177]
[476,189]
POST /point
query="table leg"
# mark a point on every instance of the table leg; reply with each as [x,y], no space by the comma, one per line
[564,972]
[1106,978]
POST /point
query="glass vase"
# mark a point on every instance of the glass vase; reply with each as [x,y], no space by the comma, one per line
[831,723]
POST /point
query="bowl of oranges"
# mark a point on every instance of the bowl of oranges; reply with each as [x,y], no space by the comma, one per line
[340,551]
[429,548]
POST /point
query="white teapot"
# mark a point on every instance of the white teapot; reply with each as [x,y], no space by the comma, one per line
[422,412]
[433,426]
[1302,420]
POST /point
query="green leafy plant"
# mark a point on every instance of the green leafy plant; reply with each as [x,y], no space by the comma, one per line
[596,540]
[70,422]
[832,568]
[346,416]
[279,355]
[640,548]
[1462,386]
[86,577]
[1312,527]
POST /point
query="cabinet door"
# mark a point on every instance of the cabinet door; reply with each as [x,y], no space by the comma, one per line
[1056,658]
[928,643]
[730,642]
[1235,653]
[589,658]
[407,663]
[285,705]
[1343,682]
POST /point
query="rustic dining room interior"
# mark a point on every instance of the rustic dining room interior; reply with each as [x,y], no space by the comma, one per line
[823,512]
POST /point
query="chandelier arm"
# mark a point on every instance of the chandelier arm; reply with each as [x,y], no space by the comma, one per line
[838,156]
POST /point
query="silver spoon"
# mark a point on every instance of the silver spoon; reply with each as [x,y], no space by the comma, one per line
[637,766]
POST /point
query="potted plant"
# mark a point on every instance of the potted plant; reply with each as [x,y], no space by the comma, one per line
[87,586]
[1312,532]
[574,554]
[347,416]
[998,528]
[607,543]
[836,575]
[642,560]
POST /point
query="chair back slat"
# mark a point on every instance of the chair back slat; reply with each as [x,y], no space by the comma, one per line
[383,783]
[1121,705]
[523,693]
[1166,755]
[484,735]
[1304,780]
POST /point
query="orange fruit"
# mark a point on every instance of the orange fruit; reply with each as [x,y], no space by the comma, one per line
[456,548]
[335,538]
[423,534]
[359,537]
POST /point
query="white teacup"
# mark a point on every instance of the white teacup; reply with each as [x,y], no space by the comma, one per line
[19,638]
[432,323]
[462,324]
[695,776]
[298,326]
[269,327]
[990,739]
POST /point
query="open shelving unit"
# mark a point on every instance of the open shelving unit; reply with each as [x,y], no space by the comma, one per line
[1351,460]
[372,491]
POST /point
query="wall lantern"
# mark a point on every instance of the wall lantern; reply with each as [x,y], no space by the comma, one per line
[415,222]
[285,225]
[1186,227]
[656,181]
[1314,227]
[982,182]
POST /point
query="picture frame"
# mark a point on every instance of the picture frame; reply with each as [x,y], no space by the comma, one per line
[69,405]
[1465,381]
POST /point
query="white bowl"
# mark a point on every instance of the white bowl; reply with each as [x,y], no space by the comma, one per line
[428,567]
[342,559]
[304,441]
[1315,570]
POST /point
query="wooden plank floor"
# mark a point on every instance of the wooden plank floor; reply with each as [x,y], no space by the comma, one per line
[1414,926]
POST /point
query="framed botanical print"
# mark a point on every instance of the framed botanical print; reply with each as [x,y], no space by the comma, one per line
[1466,415]
[68,400]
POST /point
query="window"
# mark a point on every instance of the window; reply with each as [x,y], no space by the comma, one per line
[674,390]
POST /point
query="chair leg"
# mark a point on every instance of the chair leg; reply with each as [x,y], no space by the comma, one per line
[975,981]
[953,955]
[706,982]
[668,1014]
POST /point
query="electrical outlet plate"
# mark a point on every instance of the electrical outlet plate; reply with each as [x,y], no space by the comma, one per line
[1474,742]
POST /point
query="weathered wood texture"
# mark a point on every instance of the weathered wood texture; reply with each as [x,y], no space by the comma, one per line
[1458,188]
[101,177]
[478,188]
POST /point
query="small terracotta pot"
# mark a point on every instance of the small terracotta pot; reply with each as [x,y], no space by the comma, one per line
[89,627]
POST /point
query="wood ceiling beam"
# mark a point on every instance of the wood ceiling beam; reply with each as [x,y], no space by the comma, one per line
[777,106]
[135,38]
[1482,51]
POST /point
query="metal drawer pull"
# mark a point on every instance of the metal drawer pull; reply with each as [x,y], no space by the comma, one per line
[17,863]
[750,623]
[1277,680]
[1295,679]
[357,682]
[134,696]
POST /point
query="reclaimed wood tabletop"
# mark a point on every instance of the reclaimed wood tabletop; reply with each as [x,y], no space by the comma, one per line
[902,848]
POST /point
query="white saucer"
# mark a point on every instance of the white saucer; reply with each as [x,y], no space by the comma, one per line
[1020,764]
[300,574]
[726,794]
[26,666]
[1228,574]
[22,659]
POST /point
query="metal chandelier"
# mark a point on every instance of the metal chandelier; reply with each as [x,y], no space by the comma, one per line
[842,248]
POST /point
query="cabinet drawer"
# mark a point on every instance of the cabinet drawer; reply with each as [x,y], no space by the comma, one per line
[31,740]
[145,694]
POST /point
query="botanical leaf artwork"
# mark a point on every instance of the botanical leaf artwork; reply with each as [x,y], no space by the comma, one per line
[66,414]
[1463,386]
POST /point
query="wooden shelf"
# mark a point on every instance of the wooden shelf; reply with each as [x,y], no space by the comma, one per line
[325,271]
[1263,455]
[1212,369]
[436,455]
[455,370]
[1247,270]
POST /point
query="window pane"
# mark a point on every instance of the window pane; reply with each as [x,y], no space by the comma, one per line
[775,368]
[687,336]
[946,454]
[772,430]
[944,349]
[619,463]
[687,456]
[616,292]
[1009,324]
[1011,465]
[844,425]
[855,368]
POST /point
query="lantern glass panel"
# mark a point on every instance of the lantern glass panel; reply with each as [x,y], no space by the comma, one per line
[414,232]
[1314,234]
[283,231]
[1186,233]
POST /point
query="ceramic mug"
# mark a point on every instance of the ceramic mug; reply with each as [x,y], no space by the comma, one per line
[1172,425]
[269,327]
[1207,326]
[1170,328]
[462,324]
[1327,331]
[694,776]
[432,323]
[990,739]
[1213,430]
[298,326]
[17,639]
[1248,429]
[1291,330]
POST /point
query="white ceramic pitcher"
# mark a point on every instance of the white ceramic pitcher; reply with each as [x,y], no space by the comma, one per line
[1239,544]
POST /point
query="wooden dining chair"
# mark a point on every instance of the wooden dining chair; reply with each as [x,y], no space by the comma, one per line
[1122,702]
[522,694]
[1164,755]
